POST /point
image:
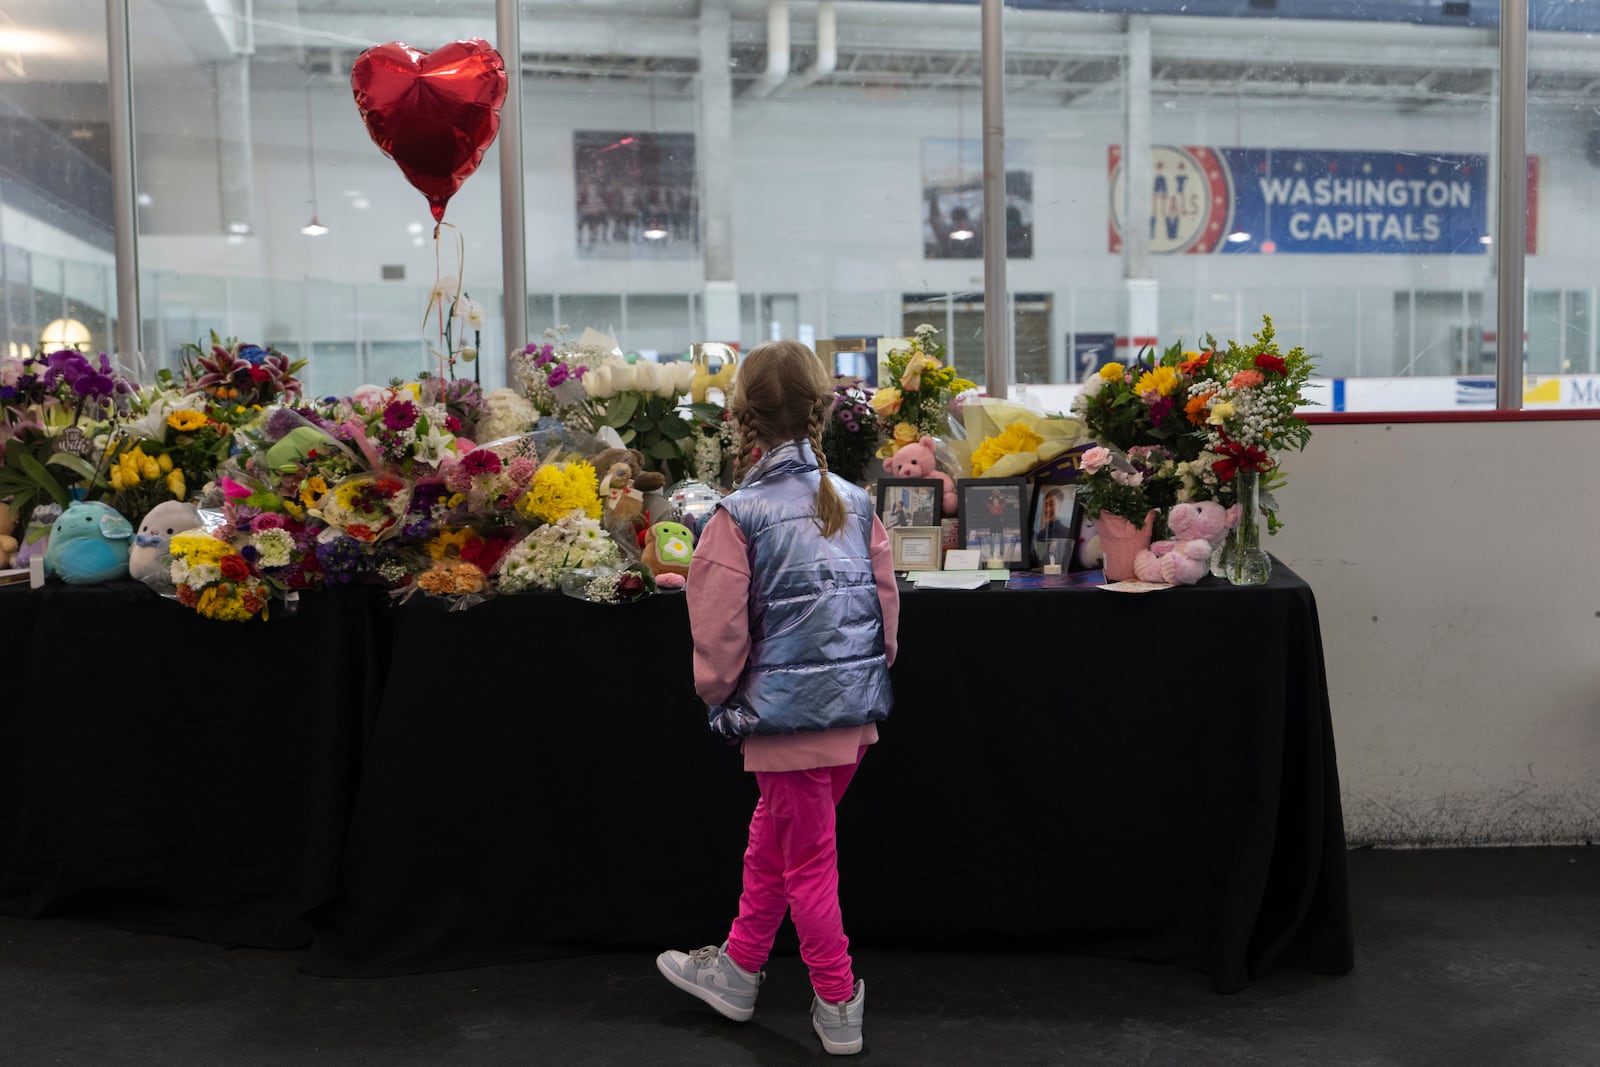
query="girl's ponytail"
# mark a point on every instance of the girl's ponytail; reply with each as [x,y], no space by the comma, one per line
[831,511]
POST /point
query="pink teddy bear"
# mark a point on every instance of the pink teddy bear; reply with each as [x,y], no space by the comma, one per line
[916,461]
[1196,529]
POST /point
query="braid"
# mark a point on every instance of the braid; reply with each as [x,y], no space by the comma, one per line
[830,509]
[747,448]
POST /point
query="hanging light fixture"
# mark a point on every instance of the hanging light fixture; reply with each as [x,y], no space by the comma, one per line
[314,228]
[64,333]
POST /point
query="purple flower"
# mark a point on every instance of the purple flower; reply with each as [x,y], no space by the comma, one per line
[281,422]
[400,415]
[559,375]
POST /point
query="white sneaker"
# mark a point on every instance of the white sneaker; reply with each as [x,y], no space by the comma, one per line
[839,1025]
[710,974]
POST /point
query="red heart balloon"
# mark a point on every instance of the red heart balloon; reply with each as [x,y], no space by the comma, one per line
[433,113]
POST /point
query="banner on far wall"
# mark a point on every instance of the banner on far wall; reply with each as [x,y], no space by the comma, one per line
[1267,200]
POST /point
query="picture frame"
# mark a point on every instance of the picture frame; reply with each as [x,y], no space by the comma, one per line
[994,515]
[909,502]
[1054,515]
[917,548]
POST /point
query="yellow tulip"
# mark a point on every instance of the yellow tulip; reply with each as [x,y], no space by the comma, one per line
[165,462]
[150,469]
[175,483]
[116,477]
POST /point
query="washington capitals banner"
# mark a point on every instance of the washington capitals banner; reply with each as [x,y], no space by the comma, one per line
[1265,200]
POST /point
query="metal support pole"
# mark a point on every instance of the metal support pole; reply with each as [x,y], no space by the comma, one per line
[1511,235]
[124,208]
[996,321]
[513,230]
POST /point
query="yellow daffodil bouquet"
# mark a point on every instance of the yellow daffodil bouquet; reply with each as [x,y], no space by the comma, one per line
[914,399]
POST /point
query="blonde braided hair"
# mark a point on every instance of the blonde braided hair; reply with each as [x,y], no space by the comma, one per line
[783,393]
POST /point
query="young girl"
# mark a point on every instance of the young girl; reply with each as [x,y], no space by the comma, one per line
[793,606]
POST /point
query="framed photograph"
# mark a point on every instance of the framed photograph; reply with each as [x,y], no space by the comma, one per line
[994,519]
[1053,527]
[916,548]
[909,501]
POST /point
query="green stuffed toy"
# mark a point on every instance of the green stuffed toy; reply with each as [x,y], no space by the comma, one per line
[669,548]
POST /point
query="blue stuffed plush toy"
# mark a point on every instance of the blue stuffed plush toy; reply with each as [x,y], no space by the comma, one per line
[89,544]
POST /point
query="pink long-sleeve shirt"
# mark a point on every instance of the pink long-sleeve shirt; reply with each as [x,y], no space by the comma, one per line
[719,617]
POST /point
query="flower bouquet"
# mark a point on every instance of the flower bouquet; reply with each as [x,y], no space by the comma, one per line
[364,507]
[1245,406]
[575,541]
[238,377]
[850,437]
[915,402]
[54,411]
[215,579]
[608,585]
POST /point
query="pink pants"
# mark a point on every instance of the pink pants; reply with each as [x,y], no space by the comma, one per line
[792,864]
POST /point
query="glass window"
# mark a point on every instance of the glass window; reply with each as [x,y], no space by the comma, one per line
[55,181]
[261,188]
[1333,173]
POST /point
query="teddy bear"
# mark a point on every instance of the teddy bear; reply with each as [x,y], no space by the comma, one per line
[1196,530]
[916,460]
[8,542]
[624,481]
[669,548]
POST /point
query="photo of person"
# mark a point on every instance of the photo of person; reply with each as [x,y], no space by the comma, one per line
[1054,520]
[1053,513]
[635,195]
[908,504]
[992,519]
[952,189]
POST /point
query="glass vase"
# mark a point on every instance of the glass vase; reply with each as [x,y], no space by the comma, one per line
[1241,559]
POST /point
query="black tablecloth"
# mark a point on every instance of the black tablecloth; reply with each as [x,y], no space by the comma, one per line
[171,773]
[1147,776]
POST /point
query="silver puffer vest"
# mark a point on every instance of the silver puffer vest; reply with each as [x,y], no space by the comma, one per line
[816,626]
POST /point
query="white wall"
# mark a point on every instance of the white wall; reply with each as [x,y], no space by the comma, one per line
[1459,592]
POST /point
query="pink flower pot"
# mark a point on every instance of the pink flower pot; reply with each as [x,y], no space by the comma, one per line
[1121,540]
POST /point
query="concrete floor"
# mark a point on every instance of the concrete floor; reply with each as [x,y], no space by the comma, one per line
[1463,958]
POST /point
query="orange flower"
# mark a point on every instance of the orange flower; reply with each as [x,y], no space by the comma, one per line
[1196,407]
[1189,366]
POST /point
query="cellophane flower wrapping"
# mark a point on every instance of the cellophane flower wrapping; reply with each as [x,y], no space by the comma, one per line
[608,585]
[575,541]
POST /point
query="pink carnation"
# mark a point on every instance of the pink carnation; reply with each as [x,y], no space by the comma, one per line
[1246,379]
[522,469]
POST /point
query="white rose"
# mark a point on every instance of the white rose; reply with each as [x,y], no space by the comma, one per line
[666,384]
[682,375]
[597,383]
[645,377]
[624,377]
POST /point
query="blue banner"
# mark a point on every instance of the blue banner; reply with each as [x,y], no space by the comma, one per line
[1265,200]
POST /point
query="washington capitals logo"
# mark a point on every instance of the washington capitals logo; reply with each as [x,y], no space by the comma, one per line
[1190,203]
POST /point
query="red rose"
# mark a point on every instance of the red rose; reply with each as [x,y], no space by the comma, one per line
[234,568]
[1272,363]
[259,375]
[630,585]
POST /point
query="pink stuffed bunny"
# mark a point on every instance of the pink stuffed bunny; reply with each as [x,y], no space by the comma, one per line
[916,461]
[1197,529]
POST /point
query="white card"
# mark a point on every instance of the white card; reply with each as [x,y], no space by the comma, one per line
[962,559]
